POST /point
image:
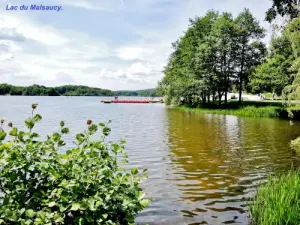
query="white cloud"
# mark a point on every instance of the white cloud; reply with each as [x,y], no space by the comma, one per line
[99,5]
[132,53]
[84,48]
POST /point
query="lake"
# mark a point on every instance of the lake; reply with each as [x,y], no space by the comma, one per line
[202,168]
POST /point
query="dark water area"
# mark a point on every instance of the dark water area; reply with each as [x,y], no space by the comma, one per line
[203,168]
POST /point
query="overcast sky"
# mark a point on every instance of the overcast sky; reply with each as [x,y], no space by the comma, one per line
[113,44]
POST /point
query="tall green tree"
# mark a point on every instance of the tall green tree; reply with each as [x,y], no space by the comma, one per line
[249,49]
[214,57]
[216,51]
[275,73]
[181,71]
[224,34]
[283,8]
[292,32]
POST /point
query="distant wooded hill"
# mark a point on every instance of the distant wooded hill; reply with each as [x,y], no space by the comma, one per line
[146,92]
[69,90]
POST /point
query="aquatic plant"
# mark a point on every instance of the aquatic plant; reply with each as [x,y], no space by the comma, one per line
[247,111]
[295,144]
[41,183]
[278,201]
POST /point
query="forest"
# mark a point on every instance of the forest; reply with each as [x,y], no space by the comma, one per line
[69,90]
[220,53]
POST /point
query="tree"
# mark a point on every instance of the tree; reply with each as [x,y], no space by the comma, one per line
[283,8]
[275,72]
[216,51]
[272,76]
[224,32]
[292,33]
[249,49]
[67,90]
[182,70]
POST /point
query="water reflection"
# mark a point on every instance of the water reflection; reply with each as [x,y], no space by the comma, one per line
[219,160]
[202,168]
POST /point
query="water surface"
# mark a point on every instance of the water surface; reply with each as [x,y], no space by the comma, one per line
[202,168]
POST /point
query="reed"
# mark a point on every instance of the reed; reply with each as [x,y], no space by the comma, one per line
[247,111]
[278,201]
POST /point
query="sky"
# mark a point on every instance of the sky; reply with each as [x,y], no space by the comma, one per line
[111,44]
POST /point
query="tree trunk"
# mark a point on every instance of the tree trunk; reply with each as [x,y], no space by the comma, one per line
[214,97]
[226,77]
[220,97]
[240,89]
[241,74]
[204,98]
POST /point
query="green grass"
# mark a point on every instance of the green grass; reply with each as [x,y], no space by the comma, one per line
[278,201]
[247,109]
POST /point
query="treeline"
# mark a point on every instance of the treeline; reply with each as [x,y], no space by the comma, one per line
[40,90]
[69,90]
[146,93]
[220,53]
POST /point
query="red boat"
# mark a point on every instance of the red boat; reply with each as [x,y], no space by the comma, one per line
[131,101]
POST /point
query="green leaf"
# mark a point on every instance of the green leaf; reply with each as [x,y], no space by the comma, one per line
[102,124]
[134,171]
[30,213]
[140,195]
[63,208]
[21,211]
[2,135]
[58,219]
[75,207]
[65,130]
[61,143]
[56,136]
[92,203]
[145,202]
[29,123]
[12,216]
[37,118]
[34,135]
[80,137]
[51,204]
[6,200]
[14,132]
[62,123]
[106,131]
[93,128]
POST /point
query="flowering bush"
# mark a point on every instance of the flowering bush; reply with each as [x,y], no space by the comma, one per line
[41,184]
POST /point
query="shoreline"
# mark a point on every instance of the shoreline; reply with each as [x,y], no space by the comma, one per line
[247,109]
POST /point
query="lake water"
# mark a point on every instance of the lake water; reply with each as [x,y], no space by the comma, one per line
[202,168]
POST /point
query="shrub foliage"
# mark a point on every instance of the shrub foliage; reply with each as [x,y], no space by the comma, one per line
[41,183]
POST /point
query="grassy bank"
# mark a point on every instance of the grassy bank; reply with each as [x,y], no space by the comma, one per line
[278,201]
[247,109]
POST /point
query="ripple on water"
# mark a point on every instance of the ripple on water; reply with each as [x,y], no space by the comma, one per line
[203,169]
